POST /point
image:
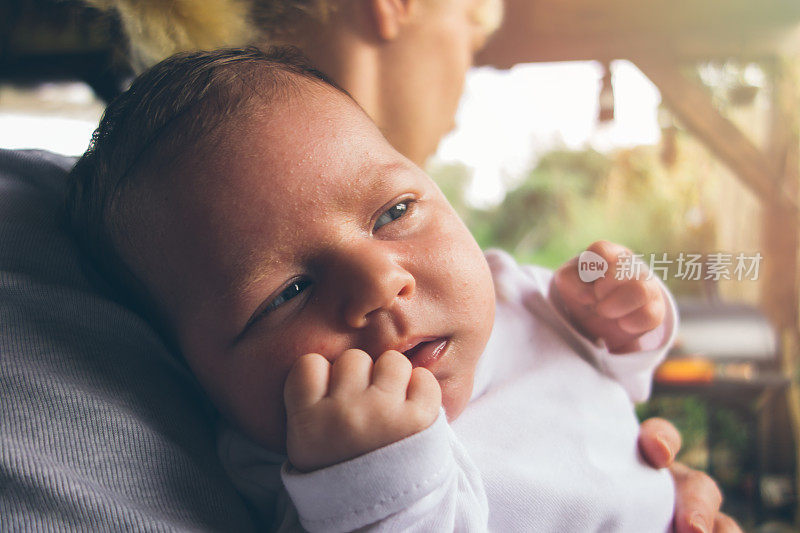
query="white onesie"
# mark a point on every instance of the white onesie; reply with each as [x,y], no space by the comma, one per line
[548,441]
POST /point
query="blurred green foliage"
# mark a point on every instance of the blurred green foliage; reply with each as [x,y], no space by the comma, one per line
[573,198]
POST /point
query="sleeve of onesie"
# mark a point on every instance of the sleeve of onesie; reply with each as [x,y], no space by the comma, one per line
[634,371]
[423,483]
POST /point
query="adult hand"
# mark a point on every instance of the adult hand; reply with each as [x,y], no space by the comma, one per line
[697,497]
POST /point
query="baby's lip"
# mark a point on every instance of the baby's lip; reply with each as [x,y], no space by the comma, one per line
[413,343]
[425,351]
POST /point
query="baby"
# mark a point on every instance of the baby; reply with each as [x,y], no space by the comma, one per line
[339,314]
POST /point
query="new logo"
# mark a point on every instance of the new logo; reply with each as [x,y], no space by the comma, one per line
[591,266]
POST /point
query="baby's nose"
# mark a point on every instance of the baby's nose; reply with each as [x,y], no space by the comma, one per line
[377,282]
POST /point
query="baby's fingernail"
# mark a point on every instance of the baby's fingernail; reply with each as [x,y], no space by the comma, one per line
[698,523]
[663,443]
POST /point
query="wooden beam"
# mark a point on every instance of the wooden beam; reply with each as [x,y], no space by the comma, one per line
[692,104]
[562,30]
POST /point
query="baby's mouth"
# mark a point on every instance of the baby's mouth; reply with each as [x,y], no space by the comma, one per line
[426,351]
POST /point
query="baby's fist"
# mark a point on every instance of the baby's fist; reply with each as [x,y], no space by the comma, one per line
[336,411]
[619,311]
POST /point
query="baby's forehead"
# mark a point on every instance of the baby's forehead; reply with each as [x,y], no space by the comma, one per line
[294,145]
[259,127]
[303,107]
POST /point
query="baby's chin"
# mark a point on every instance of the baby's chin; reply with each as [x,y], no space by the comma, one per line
[455,396]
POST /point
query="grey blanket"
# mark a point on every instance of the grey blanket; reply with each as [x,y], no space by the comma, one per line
[101,428]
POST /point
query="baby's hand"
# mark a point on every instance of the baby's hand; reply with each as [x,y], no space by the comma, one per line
[340,410]
[619,311]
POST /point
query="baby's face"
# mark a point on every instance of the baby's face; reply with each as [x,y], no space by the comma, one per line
[305,231]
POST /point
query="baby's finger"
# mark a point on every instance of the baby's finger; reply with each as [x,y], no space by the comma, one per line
[391,372]
[307,382]
[350,372]
[697,500]
[613,254]
[644,319]
[627,298]
[608,250]
[573,291]
[659,442]
[423,389]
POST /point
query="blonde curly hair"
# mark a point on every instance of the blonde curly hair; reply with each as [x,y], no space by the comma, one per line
[157,29]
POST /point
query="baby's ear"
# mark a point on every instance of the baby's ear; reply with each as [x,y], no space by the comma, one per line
[389,16]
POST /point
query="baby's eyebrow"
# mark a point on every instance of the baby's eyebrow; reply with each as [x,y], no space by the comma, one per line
[376,178]
[244,284]
[247,284]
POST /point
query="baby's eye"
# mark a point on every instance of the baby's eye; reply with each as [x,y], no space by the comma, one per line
[393,213]
[287,294]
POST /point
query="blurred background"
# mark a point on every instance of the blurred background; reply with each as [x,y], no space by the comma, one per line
[672,128]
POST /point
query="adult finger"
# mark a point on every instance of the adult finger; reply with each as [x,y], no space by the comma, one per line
[659,442]
[697,500]
[726,524]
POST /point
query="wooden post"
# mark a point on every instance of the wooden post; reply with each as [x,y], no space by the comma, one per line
[781,237]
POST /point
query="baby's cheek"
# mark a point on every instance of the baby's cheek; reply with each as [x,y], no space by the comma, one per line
[307,338]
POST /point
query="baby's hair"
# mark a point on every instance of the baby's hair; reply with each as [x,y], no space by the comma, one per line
[147,131]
